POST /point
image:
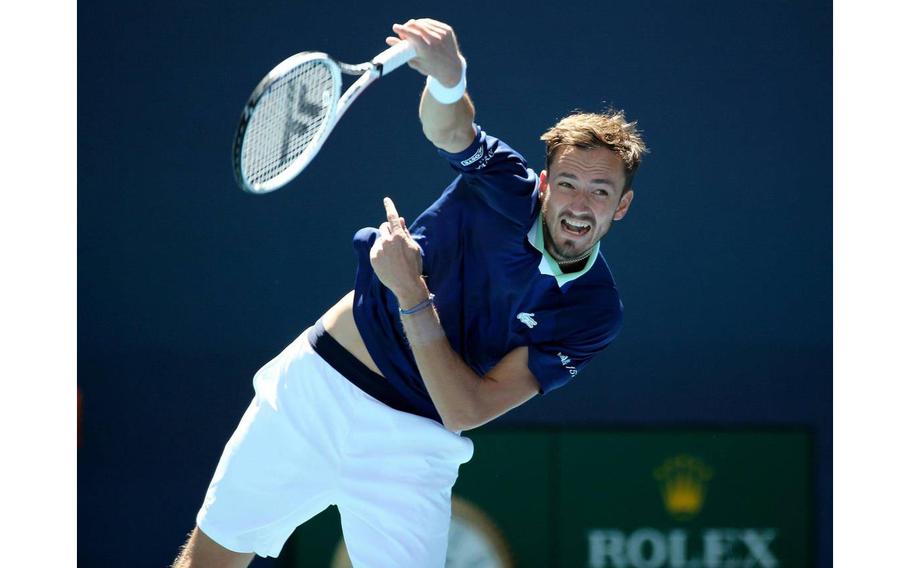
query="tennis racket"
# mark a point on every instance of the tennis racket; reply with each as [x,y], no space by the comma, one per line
[294,108]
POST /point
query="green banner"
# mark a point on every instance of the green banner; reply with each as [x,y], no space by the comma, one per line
[625,499]
[684,500]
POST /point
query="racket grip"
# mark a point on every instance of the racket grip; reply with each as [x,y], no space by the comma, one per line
[394,57]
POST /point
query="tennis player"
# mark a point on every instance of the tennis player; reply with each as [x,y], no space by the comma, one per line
[496,293]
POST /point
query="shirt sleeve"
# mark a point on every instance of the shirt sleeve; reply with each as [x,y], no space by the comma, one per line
[499,175]
[556,363]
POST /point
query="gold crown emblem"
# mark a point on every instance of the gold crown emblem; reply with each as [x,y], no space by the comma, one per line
[682,484]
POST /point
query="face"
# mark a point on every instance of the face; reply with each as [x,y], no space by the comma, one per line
[582,196]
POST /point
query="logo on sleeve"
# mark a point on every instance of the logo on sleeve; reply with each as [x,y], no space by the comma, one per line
[565,363]
[486,159]
[473,158]
[527,319]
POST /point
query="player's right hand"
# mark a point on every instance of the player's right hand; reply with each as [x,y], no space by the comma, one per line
[436,47]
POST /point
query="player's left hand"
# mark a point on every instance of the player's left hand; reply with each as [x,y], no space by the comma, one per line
[396,257]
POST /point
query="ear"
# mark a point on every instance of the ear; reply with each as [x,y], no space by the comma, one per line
[543,182]
[624,202]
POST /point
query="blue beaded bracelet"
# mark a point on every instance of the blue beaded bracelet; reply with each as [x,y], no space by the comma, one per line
[422,305]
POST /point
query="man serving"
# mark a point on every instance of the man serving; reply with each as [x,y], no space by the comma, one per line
[495,293]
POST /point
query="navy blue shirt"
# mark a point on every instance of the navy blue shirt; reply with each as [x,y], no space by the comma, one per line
[496,287]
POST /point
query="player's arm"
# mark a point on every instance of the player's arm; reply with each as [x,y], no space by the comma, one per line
[448,126]
[463,399]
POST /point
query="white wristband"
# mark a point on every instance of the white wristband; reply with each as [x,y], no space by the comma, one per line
[449,95]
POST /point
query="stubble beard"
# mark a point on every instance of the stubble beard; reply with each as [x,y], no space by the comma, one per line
[563,254]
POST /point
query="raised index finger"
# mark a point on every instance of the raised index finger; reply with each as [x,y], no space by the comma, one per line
[390,212]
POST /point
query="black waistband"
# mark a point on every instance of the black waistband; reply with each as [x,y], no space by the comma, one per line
[353,370]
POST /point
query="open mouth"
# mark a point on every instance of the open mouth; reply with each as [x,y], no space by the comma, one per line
[576,228]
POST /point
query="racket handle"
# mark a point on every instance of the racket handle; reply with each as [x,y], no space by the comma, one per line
[395,56]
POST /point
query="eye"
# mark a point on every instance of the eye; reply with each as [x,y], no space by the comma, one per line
[601,193]
[566,184]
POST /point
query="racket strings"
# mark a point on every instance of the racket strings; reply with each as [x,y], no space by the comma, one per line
[288,118]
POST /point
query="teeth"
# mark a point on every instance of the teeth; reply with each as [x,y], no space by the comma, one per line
[577,225]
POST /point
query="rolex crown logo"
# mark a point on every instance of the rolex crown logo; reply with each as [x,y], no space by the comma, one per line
[682,484]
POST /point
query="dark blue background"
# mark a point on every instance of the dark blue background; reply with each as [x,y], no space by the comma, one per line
[187,285]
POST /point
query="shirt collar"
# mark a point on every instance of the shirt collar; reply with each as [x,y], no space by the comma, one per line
[548,264]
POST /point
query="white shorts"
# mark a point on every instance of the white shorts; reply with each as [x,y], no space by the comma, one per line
[311,439]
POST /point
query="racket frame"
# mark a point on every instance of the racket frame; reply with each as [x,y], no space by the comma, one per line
[381,65]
